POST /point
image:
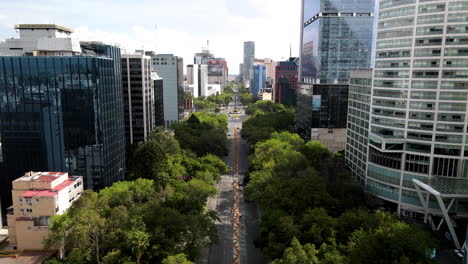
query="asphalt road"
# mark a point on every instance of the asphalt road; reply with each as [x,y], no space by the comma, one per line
[222,252]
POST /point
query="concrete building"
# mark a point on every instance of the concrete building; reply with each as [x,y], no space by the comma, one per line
[418,116]
[37,196]
[286,82]
[62,113]
[335,38]
[258,80]
[249,57]
[266,94]
[138,95]
[417,148]
[240,76]
[41,40]
[208,75]
[170,69]
[360,86]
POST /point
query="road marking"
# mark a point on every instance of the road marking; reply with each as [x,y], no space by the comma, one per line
[236,215]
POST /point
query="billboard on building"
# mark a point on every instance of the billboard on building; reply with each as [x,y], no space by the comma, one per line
[215,68]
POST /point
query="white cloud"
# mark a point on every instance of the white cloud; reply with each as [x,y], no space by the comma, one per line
[183,26]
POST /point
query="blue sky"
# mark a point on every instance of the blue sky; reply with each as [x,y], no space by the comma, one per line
[180,27]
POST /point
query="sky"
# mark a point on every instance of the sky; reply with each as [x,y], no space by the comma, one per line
[180,27]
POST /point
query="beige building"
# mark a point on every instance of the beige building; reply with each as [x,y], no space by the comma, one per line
[333,138]
[36,197]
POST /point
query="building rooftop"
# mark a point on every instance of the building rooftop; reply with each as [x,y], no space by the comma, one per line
[43,26]
[41,176]
[50,192]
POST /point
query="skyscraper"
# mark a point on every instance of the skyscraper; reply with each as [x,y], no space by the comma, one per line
[170,69]
[286,82]
[418,117]
[360,86]
[249,57]
[139,97]
[417,144]
[336,37]
[60,112]
[258,80]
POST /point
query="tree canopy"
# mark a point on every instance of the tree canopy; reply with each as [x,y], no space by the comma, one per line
[312,211]
[266,117]
[159,217]
[203,133]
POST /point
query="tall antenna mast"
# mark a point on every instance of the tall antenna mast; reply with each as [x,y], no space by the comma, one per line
[290,50]
[208,46]
[155,38]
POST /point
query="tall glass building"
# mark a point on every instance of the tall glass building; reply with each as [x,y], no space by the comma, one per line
[63,113]
[258,80]
[419,115]
[336,37]
[249,58]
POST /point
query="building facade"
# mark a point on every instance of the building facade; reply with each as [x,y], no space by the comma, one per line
[158,99]
[249,57]
[258,80]
[357,134]
[138,95]
[418,116]
[63,113]
[336,38]
[208,75]
[286,82]
[322,113]
[41,40]
[37,196]
[170,69]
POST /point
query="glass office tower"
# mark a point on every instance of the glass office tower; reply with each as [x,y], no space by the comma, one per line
[258,80]
[419,115]
[63,113]
[336,38]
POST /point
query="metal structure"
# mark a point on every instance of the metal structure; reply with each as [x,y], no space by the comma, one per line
[442,188]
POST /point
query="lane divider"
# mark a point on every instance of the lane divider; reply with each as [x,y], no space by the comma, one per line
[236,214]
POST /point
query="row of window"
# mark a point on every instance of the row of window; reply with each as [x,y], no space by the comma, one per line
[425,74]
[422,84]
[428,41]
[422,9]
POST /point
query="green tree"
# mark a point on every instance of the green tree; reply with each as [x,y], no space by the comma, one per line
[177,259]
[298,254]
[139,241]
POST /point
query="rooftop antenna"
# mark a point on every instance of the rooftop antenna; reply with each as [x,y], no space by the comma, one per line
[155,38]
[208,46]
[290,50]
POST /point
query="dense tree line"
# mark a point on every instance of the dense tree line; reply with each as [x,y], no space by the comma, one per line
[213,102]
[266,117]
[159,217]
[203,133]
[245,96]
[311,210]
